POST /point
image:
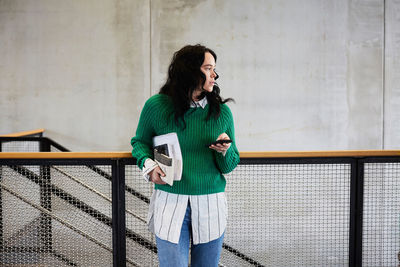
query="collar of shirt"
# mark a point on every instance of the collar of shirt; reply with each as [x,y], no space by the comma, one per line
[201,103]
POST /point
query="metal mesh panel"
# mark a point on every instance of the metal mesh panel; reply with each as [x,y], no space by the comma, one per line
[280,215]
[289,215]
[55,216]
[139,242]
[20,146]
[54,149]
[381,215]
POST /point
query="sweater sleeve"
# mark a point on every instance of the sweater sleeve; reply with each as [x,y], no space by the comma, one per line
[228,162]
[142,142]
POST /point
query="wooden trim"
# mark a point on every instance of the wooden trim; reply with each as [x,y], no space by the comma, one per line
[63,155]
[246,154]
[25,133]
[319,154]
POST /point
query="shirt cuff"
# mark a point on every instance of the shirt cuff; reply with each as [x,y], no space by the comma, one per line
[148,166]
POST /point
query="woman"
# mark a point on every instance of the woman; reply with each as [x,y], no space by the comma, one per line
[192,210]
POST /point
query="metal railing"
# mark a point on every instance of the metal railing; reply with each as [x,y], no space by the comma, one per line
[286,209]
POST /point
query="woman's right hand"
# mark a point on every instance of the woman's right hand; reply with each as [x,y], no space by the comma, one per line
[155,175]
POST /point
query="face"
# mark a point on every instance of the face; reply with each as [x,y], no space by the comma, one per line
[208,68]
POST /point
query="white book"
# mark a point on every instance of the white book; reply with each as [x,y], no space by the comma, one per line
[168,155]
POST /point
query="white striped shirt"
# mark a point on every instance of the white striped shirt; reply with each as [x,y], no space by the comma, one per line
[167,211]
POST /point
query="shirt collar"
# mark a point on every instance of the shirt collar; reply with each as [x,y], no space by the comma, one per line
[201,103]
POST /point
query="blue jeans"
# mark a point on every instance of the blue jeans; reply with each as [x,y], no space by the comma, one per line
[177,255]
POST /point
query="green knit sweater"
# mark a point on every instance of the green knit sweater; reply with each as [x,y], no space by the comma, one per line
[203,167]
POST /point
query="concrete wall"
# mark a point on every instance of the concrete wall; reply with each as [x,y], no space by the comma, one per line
[306,75]
[392,75]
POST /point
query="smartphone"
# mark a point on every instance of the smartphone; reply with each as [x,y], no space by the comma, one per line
[222,141]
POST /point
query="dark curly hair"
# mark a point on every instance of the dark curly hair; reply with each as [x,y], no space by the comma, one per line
[184,77]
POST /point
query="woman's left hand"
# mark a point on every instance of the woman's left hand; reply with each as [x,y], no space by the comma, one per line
[221,147]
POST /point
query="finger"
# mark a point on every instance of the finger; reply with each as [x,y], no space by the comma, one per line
[156,176]
[158,180]
[217,149]
[161,173]
[223,136]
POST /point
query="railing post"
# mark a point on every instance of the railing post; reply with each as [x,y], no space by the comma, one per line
[118,213]
[356,212]
[45,200]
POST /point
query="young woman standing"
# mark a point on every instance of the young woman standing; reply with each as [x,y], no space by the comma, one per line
[193,211]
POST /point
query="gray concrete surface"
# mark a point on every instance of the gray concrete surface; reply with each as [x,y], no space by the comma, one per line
[306,75]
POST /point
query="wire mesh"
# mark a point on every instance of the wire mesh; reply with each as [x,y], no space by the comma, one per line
[54,149]
[50,220]
[289,215]
[279,215]
[283,215]
[140,243]
[20,146]
[381,215]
